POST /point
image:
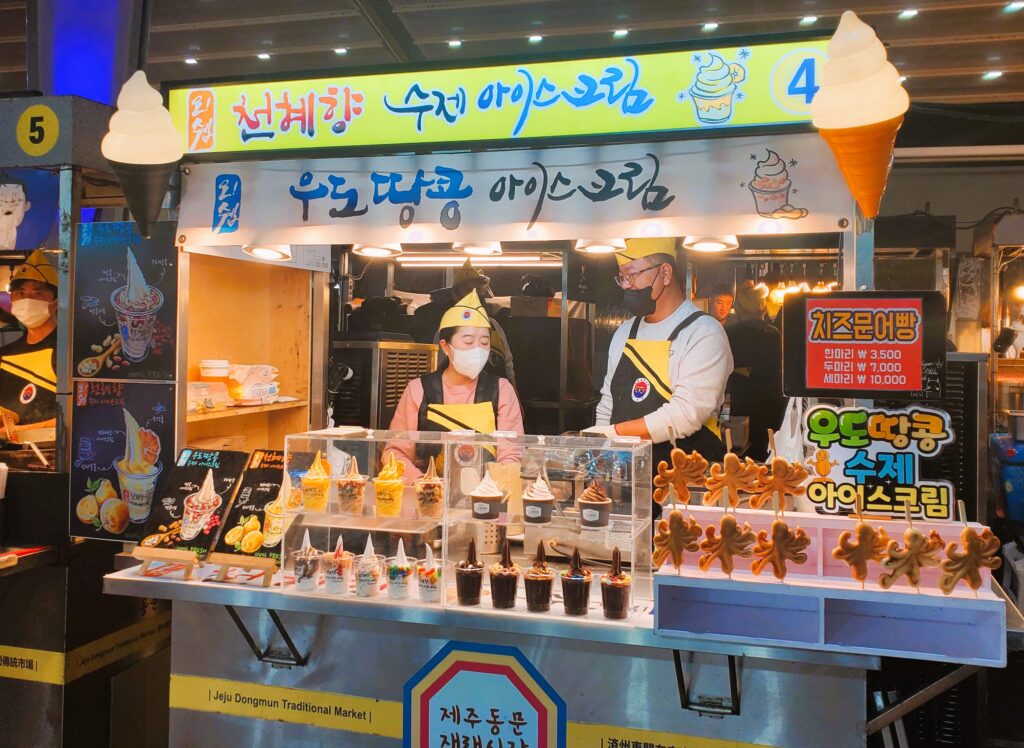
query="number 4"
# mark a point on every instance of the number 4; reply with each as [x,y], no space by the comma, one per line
[803,79]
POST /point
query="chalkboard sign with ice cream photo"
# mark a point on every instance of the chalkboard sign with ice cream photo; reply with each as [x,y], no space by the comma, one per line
[126,296]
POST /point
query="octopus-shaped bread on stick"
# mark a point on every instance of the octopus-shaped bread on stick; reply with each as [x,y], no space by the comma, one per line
[869,545]
[687,470]
[734,474]
[919,551]
[784,545]
[734,541]
[675,536]
[784,478]
[979,551]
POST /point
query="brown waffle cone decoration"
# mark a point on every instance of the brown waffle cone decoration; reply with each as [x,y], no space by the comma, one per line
[784,478]
[783,545]
[733,542]
[864,156]
[918,551]
[978,552]
[687,470]
[857,549]
[732,473]
[675,536]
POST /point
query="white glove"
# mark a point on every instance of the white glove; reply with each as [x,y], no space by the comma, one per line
[606,431]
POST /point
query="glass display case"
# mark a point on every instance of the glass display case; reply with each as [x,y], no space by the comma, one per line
[469,512]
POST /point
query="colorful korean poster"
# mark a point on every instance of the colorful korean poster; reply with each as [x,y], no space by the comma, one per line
[126,302]
[869,459]
[255,522]
[192,500]
[28,207]
[875,344]
[122,438]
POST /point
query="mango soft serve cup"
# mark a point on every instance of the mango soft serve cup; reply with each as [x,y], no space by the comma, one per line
[389,485]
[316,485]
[137,471]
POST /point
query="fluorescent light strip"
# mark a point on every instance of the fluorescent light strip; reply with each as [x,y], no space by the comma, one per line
[414,258]
[493,264]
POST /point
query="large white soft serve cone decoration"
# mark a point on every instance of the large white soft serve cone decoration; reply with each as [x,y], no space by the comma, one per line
[859,108]
[143,148]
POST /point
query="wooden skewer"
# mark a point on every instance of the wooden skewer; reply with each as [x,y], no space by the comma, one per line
[725,499]
[728,440]
[771,444]
[961,507]
[775,501]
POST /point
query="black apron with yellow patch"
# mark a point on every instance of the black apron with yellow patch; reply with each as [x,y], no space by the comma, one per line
[435,415]
[641,385]
[28,382]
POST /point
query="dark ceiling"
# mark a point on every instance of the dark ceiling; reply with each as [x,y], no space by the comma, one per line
[945,50]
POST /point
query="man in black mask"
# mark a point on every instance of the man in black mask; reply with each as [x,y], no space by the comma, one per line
[668,365]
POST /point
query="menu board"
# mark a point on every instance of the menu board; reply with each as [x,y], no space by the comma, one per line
[182,517]
[120,436]
[254,523]
[126,302]
[871,344]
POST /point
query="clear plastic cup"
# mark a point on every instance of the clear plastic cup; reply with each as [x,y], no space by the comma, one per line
[307,569]
[369,574]
[400,577]
[137,491]
[337,570]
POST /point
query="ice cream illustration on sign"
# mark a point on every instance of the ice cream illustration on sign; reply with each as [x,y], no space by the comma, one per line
[136,304]
[714,88]
[137,471]
[771,188]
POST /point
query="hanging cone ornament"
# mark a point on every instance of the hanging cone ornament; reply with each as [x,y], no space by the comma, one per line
[859,109]
[143,149]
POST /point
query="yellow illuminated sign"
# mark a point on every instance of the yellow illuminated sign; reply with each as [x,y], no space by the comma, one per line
[661,92]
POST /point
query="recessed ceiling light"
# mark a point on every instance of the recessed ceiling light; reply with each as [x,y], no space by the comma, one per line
[991,75]
[377,251]
[907,13]
[725,243]
[263,56]
[709,26]
[808,20]
[454,43]
[536,39]
[271,252]
[1013,7]
[341,50]
[620,33]
[191,61]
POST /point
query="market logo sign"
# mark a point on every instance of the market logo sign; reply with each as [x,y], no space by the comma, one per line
[473,694]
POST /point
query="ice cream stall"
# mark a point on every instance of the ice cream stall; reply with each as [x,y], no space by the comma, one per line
[470,586]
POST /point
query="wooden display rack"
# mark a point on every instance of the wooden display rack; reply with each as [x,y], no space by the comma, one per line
[166,556]
[228,561]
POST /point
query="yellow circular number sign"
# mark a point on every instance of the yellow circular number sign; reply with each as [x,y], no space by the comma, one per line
[37,130]
[795,78]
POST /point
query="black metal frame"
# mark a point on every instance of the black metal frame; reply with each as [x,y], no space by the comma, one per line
[268,655]
[733,708]
[903,707]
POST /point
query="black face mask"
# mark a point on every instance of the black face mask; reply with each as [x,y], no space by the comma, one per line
[638,301]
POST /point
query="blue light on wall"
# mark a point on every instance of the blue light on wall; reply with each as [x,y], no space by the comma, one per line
[88,46]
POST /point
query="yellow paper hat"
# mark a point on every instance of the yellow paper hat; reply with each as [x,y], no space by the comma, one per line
[467,312]
[36,268]
[637,248]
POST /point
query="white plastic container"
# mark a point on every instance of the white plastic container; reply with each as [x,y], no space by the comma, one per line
[215,369]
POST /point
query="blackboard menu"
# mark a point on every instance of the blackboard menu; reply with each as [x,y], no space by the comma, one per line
[122,435]
[254,523]
[183,517]
[126,302]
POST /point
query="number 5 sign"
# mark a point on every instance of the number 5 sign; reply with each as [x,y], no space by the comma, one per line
[38,130]
[795,78]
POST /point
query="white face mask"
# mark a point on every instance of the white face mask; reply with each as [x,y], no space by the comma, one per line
[470,362]
[31,312]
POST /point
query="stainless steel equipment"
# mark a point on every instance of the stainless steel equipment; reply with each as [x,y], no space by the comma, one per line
[380,371]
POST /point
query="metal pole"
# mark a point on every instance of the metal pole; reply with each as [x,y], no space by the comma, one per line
[319,348]
[70,210]
[563,343]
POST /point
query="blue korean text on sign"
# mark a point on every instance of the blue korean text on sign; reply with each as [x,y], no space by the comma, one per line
[227,203]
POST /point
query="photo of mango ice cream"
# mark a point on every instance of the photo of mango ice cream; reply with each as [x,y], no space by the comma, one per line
[389,485]
[137,471]
[713,89]
[316,485]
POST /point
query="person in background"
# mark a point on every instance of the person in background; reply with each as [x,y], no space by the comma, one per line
[28,382]
[668,365]
[460,395]
[755,386]
[720,303]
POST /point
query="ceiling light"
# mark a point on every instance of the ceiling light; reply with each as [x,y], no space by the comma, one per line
[497,262]
[271,252]
[600,246]
[709,26]
[620,33]
[991,75]
[418,258]
[263,56]
[341,50]
[478,249]
[454,43]
[723,243]
[1013,7]
[907,13]
[191,61]
[377,251]
[808,20]
[536,38]
[1018,292]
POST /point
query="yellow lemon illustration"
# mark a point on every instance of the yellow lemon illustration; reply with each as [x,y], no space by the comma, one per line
[234,535]
[252,524]
[87,509]
[252,542]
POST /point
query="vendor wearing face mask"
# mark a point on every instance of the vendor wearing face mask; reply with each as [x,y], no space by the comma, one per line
[28,382]
[668,365]
[460,396]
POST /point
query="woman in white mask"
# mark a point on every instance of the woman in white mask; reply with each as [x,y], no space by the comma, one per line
[460,396]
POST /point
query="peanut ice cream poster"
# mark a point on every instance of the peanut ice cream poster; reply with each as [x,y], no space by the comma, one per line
[122,442]
[126,301]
